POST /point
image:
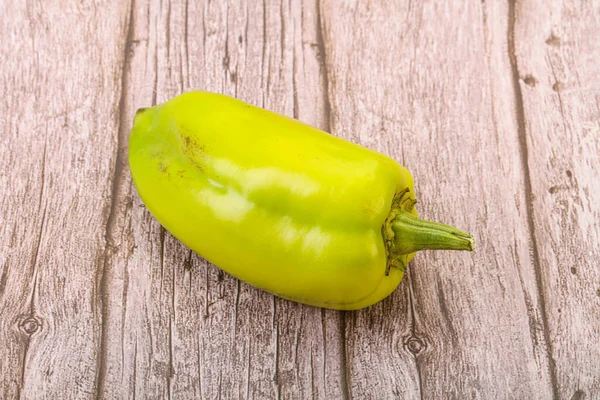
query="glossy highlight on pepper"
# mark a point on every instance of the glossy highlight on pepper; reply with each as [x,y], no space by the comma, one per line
[279,204]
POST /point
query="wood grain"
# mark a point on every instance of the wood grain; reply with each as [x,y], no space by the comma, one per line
[557,61]
[441,102]
[60,98]
[493,106]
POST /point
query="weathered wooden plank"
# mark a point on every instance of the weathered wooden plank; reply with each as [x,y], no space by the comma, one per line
[556,62]
[430,84]
[179,326]
[60,87]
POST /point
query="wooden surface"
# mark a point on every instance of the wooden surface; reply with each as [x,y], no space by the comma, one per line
[493,105]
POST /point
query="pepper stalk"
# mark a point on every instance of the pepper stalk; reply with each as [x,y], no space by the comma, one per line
[405,233]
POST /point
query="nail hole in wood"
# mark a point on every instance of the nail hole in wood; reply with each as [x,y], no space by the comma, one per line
[553,41]
[530,81]
[558,86]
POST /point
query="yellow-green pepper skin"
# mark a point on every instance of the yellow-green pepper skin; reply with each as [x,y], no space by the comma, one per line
[281,205]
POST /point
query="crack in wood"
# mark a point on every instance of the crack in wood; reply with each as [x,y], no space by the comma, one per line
[346,390]
[324,72]
[413,323]
[32,297]
[116,195]
[186,18]
[522,130]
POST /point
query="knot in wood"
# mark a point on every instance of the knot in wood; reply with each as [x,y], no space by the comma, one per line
[30,325]
[415,345]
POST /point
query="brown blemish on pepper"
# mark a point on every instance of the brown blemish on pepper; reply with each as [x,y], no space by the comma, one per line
[190,145]
[187,143]
[192,149]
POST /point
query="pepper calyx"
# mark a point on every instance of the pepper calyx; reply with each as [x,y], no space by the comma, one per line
[404,234]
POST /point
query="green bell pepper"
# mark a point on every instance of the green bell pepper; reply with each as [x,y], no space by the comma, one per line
[281,205]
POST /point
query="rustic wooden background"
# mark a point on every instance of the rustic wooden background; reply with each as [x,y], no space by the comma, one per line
[493,105]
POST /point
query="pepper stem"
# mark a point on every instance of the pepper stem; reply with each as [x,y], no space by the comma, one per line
[412,234]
